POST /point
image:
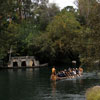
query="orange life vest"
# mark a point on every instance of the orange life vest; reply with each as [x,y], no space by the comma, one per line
[53,77]
[81,69]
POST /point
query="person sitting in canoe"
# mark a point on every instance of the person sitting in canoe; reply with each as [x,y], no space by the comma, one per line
[74,72]
[80,71]
[77,71]
[61,74]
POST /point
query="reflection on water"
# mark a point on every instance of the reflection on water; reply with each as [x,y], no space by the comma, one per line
[53,85]
[35,84]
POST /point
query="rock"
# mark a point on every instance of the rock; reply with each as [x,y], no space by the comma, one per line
[93,93]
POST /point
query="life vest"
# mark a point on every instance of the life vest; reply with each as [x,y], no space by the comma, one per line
[81,69]
[53,77]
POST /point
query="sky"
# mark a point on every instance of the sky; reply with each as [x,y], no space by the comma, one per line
[63,3]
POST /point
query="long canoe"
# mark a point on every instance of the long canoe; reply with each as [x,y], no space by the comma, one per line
[56,78]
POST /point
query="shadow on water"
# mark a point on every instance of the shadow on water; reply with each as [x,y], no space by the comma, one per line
[35,84]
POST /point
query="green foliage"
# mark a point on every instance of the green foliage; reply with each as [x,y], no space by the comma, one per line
[18,26]
[60,37]
[90,20]
[41,29]
[63,30]
[44,14]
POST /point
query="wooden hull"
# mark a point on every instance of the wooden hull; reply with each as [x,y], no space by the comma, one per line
[62,78]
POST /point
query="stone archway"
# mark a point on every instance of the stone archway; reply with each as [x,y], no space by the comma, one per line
[23,64]
[33,64]
[15,64]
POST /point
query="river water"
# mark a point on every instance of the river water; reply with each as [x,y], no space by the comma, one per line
[35,84]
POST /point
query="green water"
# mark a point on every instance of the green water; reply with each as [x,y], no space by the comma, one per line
[35,84]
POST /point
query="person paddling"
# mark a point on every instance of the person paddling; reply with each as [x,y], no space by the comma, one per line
[53,75]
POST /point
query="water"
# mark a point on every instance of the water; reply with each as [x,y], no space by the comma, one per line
[35,84]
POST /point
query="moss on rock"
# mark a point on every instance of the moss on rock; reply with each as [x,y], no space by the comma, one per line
[93,93]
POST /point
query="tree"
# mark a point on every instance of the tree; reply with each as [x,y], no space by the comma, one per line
[44,14]
[89,13]
[59,39]
[85,8]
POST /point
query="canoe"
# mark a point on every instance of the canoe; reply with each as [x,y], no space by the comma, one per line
[72,74]
[56,78]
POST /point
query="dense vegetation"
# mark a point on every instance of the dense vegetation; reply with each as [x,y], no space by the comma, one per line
[52,35]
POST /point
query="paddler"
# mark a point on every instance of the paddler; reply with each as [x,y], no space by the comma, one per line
[53,75]
[80,70]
